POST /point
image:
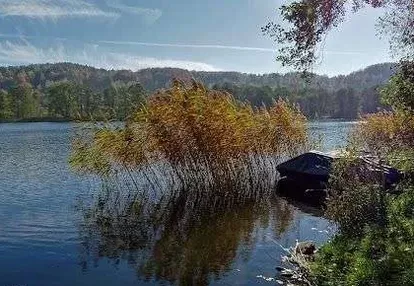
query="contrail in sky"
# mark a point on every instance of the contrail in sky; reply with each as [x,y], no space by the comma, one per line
[241,48]
[194,46]
[222,47]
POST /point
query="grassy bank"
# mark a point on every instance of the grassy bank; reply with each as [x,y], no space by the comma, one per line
[375,240]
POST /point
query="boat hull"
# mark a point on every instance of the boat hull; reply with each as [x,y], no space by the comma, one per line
[302,188]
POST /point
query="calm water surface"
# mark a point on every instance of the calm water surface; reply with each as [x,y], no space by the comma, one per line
[44,239]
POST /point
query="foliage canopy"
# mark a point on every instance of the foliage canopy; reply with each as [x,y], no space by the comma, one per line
[309,21]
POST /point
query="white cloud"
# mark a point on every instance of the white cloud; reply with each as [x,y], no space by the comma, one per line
[25,53]
[52,9]
[122,61]
[150,16]
[11,53]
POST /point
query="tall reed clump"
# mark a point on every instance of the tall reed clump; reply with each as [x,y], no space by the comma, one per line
[188,139]
[389,135]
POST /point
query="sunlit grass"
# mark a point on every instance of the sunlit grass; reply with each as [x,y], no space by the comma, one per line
[198,141]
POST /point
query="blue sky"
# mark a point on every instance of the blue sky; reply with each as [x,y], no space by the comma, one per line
[193,34]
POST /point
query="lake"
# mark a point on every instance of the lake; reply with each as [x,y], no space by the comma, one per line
[46,238]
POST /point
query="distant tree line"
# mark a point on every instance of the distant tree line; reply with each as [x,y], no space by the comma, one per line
[69,101]
[66,91]
[315,103]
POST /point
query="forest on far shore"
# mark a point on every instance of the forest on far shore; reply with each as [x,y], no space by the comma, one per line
[66,91]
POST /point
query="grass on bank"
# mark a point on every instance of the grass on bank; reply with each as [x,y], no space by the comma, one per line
[375,242]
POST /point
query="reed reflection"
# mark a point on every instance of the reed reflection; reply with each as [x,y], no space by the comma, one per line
[175,239]
[188,182]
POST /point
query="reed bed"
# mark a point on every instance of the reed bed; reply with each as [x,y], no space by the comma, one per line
[188,140]
[172,175]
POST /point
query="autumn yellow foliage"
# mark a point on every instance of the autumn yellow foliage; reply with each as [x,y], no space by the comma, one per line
[197,138]
[385,130]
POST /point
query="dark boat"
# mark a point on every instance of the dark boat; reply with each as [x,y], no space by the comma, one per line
[306,176]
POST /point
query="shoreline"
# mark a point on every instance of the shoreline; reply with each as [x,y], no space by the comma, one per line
[34,120]
[64,120]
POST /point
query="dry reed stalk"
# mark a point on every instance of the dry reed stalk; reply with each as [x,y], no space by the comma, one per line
[197,141]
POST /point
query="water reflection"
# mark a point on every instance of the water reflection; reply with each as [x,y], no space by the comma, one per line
[40,242]
[175,239]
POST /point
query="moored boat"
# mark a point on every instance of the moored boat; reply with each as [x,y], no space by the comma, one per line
[306,176]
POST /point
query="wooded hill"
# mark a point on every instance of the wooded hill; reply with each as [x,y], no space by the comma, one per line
[77,92]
